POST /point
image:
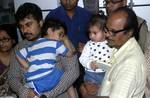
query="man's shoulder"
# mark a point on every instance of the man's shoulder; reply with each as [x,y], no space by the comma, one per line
[56,10]
[83,11]
[21,44]
[140,20]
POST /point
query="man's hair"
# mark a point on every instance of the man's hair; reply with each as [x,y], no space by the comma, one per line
[131,21]
[27,10]
[54,24]
[113,1]
[98,20]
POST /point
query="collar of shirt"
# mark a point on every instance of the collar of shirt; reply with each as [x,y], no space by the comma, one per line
[119,54]
[76,11]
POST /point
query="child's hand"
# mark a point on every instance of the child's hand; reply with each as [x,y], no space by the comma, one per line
[80,47]
[93,65]
[63,38]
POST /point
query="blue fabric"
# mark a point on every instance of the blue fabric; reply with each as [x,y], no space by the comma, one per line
[77,26]
[48,82]
[37,72]
[95,78]
[20,55]
[36,55]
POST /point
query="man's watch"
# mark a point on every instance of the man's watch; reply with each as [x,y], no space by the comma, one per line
[43,96]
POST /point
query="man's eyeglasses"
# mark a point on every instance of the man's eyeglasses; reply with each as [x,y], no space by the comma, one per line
[114,32]
[106,2]
[5,40]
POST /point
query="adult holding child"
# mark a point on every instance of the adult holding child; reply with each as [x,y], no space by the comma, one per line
[29,20]
[127,76]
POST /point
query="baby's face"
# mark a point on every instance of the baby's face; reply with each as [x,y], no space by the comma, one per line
[59,34]
[96,34]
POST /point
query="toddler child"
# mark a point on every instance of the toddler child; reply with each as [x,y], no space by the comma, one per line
[96,53]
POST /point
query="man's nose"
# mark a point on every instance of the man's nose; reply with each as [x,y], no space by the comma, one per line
[68,2]
[24,29]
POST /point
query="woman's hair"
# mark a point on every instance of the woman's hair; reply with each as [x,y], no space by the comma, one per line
[11,30]
[97,20]
[54,24]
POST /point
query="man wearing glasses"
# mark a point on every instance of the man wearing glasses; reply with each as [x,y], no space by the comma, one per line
[127,76]
[112,5]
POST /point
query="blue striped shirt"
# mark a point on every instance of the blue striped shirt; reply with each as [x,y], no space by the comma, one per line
[41,56]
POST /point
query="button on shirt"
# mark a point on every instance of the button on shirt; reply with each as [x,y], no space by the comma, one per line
[76,26]
[127,76]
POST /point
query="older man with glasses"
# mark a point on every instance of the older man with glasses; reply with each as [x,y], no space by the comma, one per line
[112,5]
[127,76]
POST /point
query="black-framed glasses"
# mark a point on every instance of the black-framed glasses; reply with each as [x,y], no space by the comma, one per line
[106,2]
[3,40]
[114,32]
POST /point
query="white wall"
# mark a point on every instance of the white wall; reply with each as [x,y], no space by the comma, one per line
[44,4]
[142,11]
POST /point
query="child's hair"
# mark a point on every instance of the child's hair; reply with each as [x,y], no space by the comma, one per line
[97,20]
[54,24]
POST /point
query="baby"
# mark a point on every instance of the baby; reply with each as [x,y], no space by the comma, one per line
[96,53]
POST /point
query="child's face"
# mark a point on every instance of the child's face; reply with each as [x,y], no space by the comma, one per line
[59,34]
[96,34]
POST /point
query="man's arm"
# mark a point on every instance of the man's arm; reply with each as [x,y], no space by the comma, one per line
[68,44]
[71,73]
[143,30]
[15,78]
[15,75]
[85,94]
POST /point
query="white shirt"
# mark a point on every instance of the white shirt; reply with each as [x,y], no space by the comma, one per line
[95,51]
[127,76]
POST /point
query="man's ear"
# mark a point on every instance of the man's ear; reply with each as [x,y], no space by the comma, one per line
[41,23]
[13,41]
[130,33]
